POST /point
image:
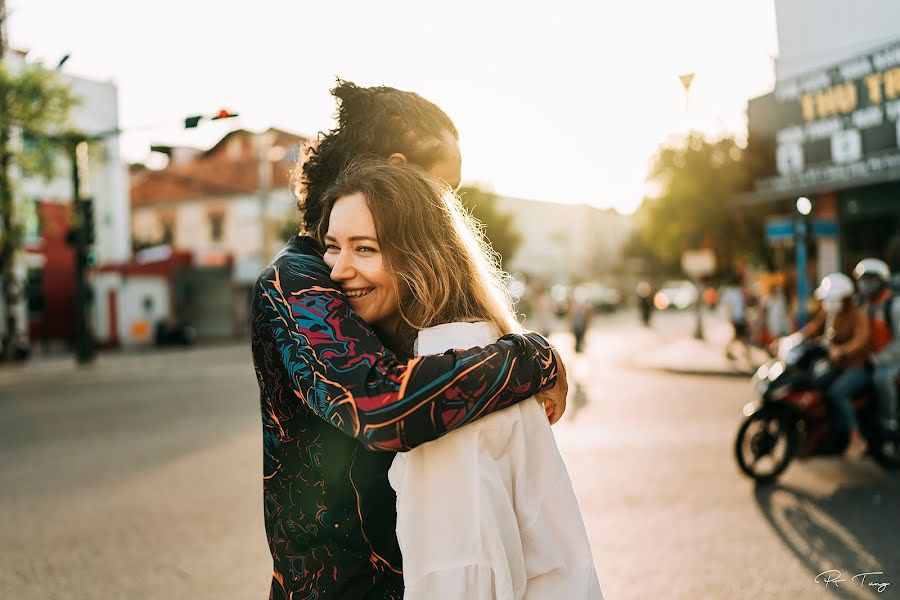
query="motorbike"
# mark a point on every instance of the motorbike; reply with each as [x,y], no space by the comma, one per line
[791,418]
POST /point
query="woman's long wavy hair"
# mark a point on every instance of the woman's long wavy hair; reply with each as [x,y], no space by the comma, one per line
[370,120]
[436,252]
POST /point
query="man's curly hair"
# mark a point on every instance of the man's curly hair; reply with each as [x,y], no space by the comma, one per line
[377,121]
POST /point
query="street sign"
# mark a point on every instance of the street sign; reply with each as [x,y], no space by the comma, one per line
[698,263]
[780,230]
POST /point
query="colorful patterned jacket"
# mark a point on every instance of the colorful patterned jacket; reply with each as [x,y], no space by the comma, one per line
[336,405]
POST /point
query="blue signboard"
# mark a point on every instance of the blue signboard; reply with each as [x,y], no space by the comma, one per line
[781,229]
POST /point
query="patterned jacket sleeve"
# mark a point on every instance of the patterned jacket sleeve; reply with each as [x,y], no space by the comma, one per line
[335,364]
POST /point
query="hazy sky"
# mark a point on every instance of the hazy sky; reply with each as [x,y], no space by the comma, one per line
[563,101]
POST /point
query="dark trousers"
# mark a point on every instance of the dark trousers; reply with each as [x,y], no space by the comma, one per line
[840,389]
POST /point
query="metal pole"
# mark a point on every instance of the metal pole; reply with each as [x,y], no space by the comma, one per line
[802,290]
[84,343]
[698,330]
[686,81]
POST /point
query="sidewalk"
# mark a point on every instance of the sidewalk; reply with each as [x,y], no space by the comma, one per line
[688,356]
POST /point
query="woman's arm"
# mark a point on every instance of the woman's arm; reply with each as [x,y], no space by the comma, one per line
[337,366]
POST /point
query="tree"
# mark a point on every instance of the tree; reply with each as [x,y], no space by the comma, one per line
[697,182]
[33,103]
[499,227]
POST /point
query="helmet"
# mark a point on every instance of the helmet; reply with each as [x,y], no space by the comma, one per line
[872,266]
[836,286]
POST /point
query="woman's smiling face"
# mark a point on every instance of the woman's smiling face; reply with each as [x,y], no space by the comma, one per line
[353,254]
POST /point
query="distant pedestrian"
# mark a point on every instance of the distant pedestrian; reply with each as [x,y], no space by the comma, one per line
[736,306]
[580,317]
[778,322]
[541,318]
[645,302]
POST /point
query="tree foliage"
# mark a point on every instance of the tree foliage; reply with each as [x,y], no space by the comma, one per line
[33,103]
[697,181]
[499,226]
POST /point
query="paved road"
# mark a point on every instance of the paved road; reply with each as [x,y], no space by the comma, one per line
[140,478]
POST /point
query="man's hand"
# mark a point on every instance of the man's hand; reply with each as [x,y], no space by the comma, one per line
[554,399]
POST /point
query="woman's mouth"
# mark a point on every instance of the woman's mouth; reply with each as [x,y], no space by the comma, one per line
[358,293]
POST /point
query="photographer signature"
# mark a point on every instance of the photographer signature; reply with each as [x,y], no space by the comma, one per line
[835,577]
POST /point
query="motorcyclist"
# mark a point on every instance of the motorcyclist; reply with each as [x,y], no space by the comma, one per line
[846,328]
[873,279]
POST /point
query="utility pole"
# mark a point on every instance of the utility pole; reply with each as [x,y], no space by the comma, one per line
[686,80]
[82,237]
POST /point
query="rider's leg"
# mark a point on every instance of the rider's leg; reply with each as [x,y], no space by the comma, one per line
[840,396]
[884,379]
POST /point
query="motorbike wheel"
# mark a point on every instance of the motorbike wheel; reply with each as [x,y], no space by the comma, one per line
[765,445]
[887,454]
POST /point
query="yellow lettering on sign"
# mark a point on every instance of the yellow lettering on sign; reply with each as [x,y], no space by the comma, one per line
[838,99]
[892,83]
[825,103]
[845,96]
[808,106]
[873,85]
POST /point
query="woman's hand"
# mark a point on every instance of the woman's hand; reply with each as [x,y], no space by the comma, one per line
[554,399]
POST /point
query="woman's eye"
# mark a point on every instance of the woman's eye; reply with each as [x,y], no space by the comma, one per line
[330,247]
[365,249]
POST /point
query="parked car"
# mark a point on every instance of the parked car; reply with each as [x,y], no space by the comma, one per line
[677,295]
[561,296]
[602,298]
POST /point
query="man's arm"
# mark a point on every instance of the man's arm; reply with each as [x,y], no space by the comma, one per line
[338,367]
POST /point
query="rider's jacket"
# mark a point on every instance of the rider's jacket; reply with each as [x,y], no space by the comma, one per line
[883,312]
[848,331]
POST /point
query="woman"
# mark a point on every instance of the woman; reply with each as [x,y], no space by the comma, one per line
[846,328]
[335,403]
[489,510]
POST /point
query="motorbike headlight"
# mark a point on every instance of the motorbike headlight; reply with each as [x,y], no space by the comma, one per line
[775,371]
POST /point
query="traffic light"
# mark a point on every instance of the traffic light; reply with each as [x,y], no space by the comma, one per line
[224,114]
[194,120]
[83,230]
[87,220]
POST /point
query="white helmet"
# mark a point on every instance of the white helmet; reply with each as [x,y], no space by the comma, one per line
[873,266]
[835,287]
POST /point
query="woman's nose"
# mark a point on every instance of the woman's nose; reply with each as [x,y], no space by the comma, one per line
[342,269]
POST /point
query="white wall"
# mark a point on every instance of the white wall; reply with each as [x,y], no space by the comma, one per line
[561,242]
[132,293]
[107,182]
[814,34]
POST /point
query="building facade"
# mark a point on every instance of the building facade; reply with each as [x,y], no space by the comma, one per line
[229,203]
[47,263]
[831,130]
[565,243]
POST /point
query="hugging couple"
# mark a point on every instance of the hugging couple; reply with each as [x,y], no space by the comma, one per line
[407,449]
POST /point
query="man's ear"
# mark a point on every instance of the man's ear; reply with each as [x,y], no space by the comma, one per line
[397,158]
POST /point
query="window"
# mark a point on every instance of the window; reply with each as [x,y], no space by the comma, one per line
[168,233]
[216,226]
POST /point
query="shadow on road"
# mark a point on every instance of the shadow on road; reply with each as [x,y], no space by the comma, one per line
[855,530]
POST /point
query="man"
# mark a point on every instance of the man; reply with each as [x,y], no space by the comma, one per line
[736,306]
[873,278]
[335,403]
